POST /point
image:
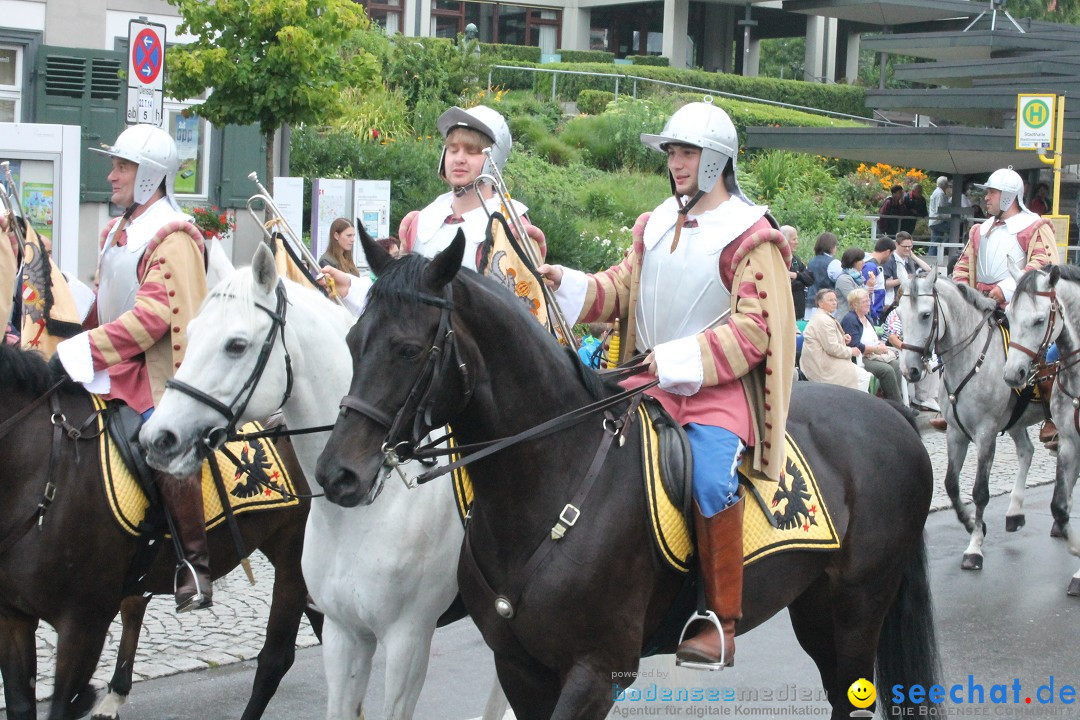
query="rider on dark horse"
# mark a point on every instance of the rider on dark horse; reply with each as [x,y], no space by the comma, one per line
[152,281]
[703,252]
[1011,232]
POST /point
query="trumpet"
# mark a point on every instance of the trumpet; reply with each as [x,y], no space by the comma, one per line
[532,256]
[13,208]
[261,202]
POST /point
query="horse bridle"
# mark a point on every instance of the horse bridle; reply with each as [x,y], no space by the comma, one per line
[397,447]
[1038,355]
[232,412]
[926,350]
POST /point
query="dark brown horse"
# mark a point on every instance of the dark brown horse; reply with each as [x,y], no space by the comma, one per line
[68,569]
[449,346]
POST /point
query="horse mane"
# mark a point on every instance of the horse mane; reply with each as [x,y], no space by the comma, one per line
[1028,282]
[23,371]
[399,281]
[240,285]
[973,296]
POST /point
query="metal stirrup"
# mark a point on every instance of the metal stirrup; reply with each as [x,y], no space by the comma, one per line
[707,616]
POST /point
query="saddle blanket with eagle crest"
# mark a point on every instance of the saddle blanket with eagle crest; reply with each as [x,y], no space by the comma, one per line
[786,515]
[256,485]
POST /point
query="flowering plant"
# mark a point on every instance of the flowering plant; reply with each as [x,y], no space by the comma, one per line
[211,221]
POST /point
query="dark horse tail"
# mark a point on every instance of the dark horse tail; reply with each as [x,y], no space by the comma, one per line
[907,648]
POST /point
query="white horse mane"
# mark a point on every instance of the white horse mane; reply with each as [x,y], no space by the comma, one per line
[240,286]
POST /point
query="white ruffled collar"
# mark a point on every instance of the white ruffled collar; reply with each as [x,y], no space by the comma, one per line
[1015,224]
[738,217]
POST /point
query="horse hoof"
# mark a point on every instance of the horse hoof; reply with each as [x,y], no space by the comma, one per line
[1056,531]
[1014,522]
[972,562]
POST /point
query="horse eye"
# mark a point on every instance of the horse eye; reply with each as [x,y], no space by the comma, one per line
[236,346]
[409,352]
[925,315]
[1039,322]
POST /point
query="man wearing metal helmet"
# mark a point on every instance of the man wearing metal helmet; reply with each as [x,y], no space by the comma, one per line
[1011,232]
[152,270]
[467,134]
[704,253]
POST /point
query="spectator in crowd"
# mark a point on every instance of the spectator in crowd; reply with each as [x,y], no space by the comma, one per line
[339,254]
[939,219]
[801,277]
[826,355]
[892,211]
[916,206]
[850,278]
[902,265]
[882,362]
[924,392]
[824,250]
[1040,200]
[391,245]
[874,275]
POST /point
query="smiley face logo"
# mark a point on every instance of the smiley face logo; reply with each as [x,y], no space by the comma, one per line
[862,694]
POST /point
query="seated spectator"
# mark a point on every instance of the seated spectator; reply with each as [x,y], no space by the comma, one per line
[882,362]
[923,393]
[826,355]
[851,263]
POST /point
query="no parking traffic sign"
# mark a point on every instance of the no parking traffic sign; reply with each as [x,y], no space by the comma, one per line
[146,72]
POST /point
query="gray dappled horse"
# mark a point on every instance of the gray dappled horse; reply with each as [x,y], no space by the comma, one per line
[961,326]
[1046,309]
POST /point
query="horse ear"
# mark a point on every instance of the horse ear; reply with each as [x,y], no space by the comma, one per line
[264,269]
[933,274]
[1015,270]
[445,265]
[377,257]
[1055,274]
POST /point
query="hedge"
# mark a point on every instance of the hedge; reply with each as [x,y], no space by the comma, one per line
[593,102]
[515,80]
[748,114]
[839,98]
[656,60]
[500,52]
[586,56]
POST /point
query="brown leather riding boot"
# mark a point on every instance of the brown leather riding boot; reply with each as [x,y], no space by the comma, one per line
[1048,434]
[719,542]
[183,501]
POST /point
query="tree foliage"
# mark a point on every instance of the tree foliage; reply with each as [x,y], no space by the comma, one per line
[268,61]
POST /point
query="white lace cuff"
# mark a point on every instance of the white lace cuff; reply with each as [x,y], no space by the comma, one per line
[75,356]
[571,293]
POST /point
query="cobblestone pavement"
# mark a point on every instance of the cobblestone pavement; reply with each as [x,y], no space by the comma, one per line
[233,629]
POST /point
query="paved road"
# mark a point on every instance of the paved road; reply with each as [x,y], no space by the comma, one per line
[1016,608]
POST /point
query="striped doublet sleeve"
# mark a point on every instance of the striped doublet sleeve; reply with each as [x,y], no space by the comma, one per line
[138,329]
[962,271]
[1043,249]
[731,350]
[609,291]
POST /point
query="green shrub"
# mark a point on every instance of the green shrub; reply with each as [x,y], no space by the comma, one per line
[500,52]
[655,60]
[513,79]
[429,69]
[524,104]
[593,102]
[611,140]
[527,130]
[837,98]
[586,56]
[376,115]
[555,151]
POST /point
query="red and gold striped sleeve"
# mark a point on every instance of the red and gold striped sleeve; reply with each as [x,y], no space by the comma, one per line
[962,271]
[1042,250]
[608,294]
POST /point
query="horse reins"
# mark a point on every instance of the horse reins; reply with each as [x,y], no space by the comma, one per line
[1054,369]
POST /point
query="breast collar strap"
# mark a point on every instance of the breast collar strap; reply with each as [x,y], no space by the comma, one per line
[216,437]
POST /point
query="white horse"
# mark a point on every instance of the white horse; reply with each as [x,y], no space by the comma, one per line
[960,323]
[1046,309]
[383,573]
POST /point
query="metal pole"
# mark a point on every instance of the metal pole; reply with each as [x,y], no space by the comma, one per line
[616,87]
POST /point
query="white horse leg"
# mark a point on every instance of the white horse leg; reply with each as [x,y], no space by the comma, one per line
[980,494]
[408,647]
[109,707]
[496,706]
[957,445]
[347,659]
[1014,516]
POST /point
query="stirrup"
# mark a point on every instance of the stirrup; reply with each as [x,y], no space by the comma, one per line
[707,616]
[199,600]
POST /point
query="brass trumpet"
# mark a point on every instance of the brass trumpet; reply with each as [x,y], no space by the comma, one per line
[532,256]
[262,203]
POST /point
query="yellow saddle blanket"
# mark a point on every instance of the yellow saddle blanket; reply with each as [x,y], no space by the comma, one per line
[257,485]
[802,520]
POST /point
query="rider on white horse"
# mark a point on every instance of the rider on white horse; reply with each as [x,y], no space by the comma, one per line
[1011,232]
[152,271]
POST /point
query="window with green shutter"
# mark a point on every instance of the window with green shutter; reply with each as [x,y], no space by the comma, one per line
[77,86]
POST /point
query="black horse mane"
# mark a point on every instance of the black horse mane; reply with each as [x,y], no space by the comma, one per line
[399,282]
[23,371]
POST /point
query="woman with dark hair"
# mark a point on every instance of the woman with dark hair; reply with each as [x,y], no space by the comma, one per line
[339,254]
[824,249]
[851,263]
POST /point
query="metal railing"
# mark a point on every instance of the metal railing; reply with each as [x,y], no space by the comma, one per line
[634,80]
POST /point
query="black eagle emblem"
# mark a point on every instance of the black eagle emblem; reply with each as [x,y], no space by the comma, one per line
[253,472]
[791,505]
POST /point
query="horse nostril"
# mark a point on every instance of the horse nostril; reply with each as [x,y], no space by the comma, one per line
[164,441]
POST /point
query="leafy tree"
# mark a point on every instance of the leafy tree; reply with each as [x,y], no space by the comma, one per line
[269,61]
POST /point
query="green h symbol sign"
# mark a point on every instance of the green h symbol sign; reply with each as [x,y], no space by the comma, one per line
[1036,113]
